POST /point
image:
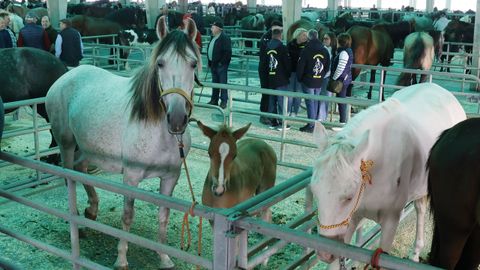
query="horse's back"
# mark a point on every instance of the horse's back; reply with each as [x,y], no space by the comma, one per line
[90,104]
[259,158]
[430,107]
[28,73]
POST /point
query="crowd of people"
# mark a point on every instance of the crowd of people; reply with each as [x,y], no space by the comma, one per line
[305,65]
[66,45]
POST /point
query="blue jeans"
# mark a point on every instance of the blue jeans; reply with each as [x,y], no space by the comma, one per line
[312,105]
[323,107]
[219,75]
[276,102]
[342,108]
[295,86]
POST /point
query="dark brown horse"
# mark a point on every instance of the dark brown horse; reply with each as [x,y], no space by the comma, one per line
[370,47]
[454,189]
[28,73]
[458,31]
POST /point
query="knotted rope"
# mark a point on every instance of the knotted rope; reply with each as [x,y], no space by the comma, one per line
[185,222]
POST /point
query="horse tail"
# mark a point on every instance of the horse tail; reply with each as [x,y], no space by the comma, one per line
[413,56]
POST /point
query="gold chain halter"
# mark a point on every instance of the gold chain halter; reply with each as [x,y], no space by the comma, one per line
[365,167]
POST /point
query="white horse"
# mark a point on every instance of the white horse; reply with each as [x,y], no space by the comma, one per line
[129,125]
[376,164]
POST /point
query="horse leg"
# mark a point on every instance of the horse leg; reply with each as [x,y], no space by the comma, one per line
[167,184]
[420,209]
[448,242]
[127,218]
[471,252]
[389,223]
[372,80]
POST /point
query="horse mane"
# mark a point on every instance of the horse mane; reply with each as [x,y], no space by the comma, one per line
[335,156]
[146,89]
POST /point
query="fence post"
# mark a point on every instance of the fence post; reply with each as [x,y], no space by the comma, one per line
[74,235]
[224,248]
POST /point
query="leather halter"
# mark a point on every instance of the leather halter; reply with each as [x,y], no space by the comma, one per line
[181,92]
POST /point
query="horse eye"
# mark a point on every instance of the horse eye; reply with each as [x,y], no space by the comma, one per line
[161,64]
[194,65]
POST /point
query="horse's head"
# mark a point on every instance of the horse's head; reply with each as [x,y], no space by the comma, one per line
[165,85]
[337,183]
[222,151]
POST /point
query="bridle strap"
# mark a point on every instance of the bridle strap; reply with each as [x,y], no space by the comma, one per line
[179,91]
[365,167]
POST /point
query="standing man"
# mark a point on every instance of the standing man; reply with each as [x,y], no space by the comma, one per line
[264,101]
[6,17]
[51,33]
[219,53]
[312,66]
[277,70]
[69,46]
[33,35]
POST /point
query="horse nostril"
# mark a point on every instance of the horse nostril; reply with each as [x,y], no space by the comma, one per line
[168,117]
[185,120]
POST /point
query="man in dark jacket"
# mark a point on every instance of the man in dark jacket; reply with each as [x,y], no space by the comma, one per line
[33,35]
[219,54]
[69,46]
[311,68]
[263,76]
[276,67]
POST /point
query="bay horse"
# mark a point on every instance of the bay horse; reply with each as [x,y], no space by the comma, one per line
[130,125]
[29,73]
[239,169]
[458,31]
[372,169]
[418,53]
[306,24]
[370,47]
[454,190]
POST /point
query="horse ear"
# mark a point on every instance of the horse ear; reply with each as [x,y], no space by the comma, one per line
[320,136]
[191,29]
[162,29]
[209,132]
[237,134]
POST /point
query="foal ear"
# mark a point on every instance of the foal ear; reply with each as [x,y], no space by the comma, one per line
[237,134]
[162,29]
[191,29]
[320,136]
[209,132]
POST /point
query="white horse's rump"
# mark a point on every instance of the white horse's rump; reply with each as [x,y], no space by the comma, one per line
[394,137]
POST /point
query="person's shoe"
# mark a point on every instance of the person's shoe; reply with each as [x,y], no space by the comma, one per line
[280,127]
[307,128]
[212,103]
[264,120]
[223,105]
[274,124]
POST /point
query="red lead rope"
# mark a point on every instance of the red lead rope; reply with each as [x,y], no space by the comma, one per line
[186,223]
[375,259]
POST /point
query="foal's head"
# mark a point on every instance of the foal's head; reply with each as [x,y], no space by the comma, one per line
[222,151]
[165,85]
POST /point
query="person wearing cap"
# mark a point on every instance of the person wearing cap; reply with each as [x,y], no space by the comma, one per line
[69,46]
[264,101]
[52,33]
[33,35]
[219,53]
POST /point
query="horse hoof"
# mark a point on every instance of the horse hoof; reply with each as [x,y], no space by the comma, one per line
[89,216]
[125,267]
[82,233]
[166,262]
